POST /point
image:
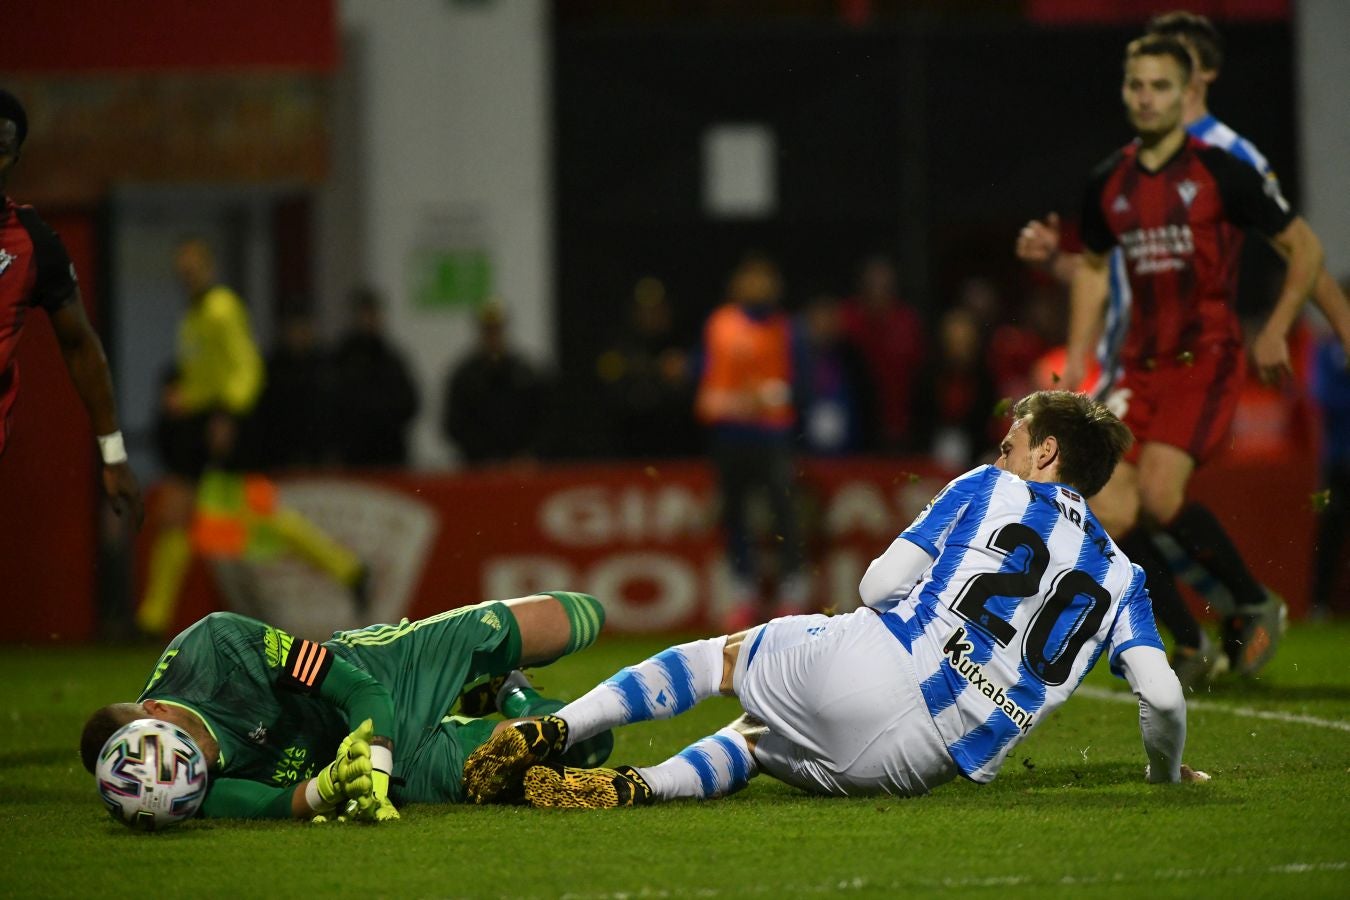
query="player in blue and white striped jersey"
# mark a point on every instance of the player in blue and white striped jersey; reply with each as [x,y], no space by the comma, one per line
[979,621]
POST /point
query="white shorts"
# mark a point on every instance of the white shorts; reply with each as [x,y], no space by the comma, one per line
[843,707]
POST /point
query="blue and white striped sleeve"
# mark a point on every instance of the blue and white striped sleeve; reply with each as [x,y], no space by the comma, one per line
[929,529]
[1134,625]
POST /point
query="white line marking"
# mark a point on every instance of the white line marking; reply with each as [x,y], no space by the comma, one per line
[1097,693]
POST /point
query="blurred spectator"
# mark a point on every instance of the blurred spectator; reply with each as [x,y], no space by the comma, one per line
[889,332]
[1330,383]
[833,388]
[745,398]
[1019,343]
[375,395]
[495,400]
[295,411]
[646,381]
[982,299]
[957,397]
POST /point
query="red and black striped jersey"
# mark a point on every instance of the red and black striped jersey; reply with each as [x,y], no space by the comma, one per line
[1180,229]
[34,272]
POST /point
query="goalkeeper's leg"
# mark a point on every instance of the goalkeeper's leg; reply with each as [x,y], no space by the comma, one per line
[554,624]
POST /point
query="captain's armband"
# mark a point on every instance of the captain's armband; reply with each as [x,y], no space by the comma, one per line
[305,668]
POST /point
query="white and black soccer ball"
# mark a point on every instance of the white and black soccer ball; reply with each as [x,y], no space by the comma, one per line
[151,775]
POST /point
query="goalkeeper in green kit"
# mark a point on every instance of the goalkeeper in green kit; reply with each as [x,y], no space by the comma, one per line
[359,723]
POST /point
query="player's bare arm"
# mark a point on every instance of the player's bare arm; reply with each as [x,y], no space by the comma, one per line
[88,367]
[1331,300]
[1087,308]
[1303,250]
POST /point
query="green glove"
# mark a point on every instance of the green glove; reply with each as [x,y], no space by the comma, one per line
[348,778]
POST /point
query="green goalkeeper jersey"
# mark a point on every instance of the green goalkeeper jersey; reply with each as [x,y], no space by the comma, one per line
[277,706]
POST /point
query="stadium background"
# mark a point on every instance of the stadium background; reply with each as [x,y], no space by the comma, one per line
[322,145]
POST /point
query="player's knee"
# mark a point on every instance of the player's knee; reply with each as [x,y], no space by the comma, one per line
[585,618]
[750,728]
[1161,502]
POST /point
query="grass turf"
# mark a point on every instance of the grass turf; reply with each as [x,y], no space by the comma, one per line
[1068,816]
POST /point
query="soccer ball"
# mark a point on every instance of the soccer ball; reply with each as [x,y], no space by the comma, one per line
[151,775]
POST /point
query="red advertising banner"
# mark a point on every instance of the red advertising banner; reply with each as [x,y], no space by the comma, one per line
[645,539]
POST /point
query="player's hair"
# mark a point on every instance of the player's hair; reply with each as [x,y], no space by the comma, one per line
[12,109]
[1161,45]
[1196,29]
[100,727]
[1091,439]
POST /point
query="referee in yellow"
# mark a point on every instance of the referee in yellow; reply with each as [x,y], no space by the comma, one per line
[204,410]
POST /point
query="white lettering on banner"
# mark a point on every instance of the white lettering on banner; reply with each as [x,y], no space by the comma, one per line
[520,576]
[595,515]
[590,516]
[861,507]
[843,570]
[675,600]
[654,591]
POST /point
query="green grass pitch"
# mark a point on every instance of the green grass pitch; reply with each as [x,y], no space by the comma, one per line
[1069,816]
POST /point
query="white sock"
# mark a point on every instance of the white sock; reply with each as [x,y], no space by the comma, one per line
[718,765]
[665,685]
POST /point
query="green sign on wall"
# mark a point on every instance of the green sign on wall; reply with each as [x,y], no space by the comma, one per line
[450,279]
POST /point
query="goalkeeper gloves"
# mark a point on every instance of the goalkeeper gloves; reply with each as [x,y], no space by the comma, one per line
[348,778]
[380,809]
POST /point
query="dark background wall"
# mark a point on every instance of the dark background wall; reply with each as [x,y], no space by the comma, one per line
[933,142]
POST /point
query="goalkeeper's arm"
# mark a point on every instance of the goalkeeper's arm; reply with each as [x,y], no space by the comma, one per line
[363,698]
[346,779]
[314,668]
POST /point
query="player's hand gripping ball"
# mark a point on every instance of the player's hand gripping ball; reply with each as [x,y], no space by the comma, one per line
[151,775]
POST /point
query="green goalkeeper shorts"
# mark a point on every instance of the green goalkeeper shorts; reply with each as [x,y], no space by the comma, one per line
[424,665]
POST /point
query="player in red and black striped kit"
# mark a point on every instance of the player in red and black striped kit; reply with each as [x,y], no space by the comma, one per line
[1178,210]
[35,272]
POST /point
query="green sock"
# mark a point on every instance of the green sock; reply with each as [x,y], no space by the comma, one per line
[585,615]
[520,702]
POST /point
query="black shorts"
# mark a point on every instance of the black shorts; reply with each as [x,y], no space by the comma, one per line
[183,449]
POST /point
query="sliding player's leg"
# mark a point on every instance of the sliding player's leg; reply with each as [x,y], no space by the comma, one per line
[833,707]
[715,766]
[665,685]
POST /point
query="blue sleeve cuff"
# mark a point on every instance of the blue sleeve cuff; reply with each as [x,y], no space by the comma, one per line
[1145,641]
[920,541]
